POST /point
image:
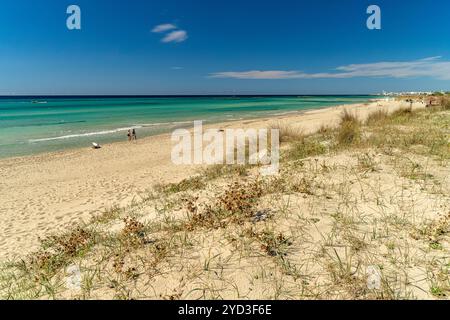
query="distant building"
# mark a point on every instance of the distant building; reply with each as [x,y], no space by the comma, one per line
[406,93]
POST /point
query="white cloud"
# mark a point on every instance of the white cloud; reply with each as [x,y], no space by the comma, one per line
[433,67]
[175,36]
[255,74]
[163,27]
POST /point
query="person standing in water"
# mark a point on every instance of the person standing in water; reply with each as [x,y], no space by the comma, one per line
[129,135]
[133,134]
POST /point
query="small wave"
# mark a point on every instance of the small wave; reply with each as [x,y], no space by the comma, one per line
[105,132]
[284,113]
[59,123]
[87,134]
[146,125]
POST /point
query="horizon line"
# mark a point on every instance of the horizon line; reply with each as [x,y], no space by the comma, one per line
[179,95]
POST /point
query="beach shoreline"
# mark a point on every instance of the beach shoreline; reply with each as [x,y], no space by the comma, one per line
[66,124]
[44,193]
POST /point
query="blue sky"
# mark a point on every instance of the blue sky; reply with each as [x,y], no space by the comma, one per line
[223,47]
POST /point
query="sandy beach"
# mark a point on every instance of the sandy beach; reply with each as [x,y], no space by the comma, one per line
[46,193]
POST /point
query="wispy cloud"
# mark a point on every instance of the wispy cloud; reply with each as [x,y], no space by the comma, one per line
[163,27]
[433,67]
[175,36]
[171,33]
[256,74]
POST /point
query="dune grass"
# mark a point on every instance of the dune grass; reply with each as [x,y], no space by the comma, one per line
[349,131]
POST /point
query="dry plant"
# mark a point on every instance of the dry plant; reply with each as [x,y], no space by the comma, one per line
[349,131]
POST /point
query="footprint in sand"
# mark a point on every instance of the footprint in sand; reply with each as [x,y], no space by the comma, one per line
[41,225]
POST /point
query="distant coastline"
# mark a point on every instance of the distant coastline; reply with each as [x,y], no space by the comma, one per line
[182,96]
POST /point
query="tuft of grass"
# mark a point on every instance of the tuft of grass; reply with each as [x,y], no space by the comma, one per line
[133,234]
[222,170]
[434,231]
[377,117]
[193,183]
[402,115]
[273,244]
[289,133]
[305,149]
[436,246]
[366,162]
[445,103]
[347,116]
[342,269]
[438,291]
[107,215]
[421,129]
[241,198]
[325,129]
[235,205]
[69,244]
[349,131]
[414,171]
[58,251]
[304,186]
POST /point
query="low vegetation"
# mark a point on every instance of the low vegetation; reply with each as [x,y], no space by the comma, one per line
[349,131]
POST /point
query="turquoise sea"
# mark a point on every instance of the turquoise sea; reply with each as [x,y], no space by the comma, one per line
[30,125]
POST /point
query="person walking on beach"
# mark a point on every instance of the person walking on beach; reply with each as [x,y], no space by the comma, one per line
[133,134]
[129,135]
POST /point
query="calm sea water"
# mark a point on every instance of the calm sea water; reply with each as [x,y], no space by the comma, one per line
[31,125]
